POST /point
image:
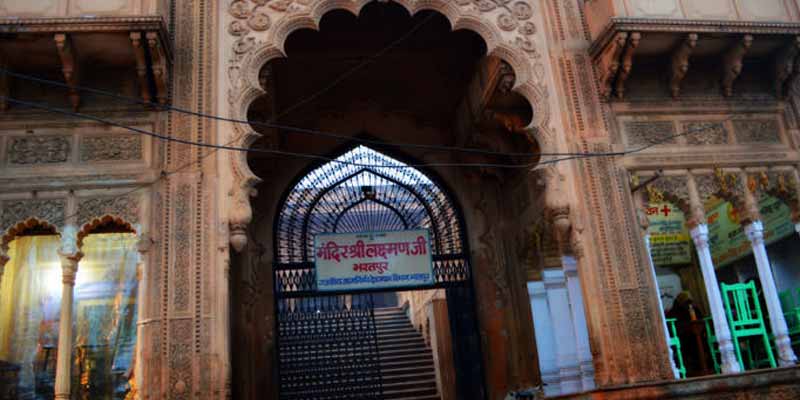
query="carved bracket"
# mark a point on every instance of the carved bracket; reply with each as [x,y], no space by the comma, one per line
[69,67]
[784,66]
[241,214]
[4,87]
[680,63]
[732,63]
[627,63]
[160,68]
[609,64]
[141,65]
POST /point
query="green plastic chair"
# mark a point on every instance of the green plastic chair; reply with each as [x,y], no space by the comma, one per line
[787,300]
[746,320]
[675,343]
[711,338]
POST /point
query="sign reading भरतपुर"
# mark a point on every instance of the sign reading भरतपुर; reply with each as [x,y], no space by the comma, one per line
[373,260]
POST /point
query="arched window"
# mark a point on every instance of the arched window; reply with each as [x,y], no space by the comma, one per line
[30,301]
[105,315]
[364,190]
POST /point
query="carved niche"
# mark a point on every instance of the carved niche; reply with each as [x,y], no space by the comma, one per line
[27,150]
[111,148]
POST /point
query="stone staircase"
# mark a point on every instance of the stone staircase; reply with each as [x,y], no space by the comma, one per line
[407,367]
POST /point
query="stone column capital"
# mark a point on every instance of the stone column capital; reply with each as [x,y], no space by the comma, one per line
[700,236]
[144,243]
[755,232]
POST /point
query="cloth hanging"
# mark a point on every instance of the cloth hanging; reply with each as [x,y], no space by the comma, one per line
[30,297]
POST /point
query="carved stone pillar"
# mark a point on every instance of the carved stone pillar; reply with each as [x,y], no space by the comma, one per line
[545,340]
[143,246]
[661,306]
[699,233]
[555,284]
[786,356]
[70,255]
[644,223]
[583,351]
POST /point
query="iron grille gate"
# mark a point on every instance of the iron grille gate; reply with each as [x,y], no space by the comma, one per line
[327,343]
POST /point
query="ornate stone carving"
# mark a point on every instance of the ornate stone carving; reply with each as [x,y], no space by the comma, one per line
[680,63]
[28,150]
[51,211]
[507,22]
[705,132]
[111,148]
[259,21]
[609,63]
[182,231]
[124,207]
[732,63]
[649,132]
[627,63]
[756,131]
[671,188]
[784,65]
[239,9]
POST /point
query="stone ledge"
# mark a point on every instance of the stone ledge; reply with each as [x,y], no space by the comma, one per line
[768,383]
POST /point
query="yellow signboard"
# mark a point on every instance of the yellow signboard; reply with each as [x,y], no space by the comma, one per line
[670,243]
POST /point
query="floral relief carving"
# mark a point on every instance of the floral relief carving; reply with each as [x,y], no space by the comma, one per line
[706,133]
[39,150]
[15,211]
[649,132]
[125,207]
[259,21]
[108,148]
[239,9]
[182,248]
[756,131]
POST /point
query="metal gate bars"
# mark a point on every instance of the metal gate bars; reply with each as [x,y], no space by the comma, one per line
[328,348]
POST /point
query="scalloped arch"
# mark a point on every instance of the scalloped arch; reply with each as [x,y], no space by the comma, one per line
[14,230]
[273,46]
[88,227]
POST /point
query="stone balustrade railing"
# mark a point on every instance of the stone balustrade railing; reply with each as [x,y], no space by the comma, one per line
[599,13]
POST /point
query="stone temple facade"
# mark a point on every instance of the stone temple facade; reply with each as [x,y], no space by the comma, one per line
[582,149]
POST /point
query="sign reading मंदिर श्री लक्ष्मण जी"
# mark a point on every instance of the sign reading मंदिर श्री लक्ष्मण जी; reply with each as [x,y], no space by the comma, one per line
[671,244]
[373,260]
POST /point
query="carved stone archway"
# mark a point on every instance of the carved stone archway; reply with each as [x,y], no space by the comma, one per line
[258,31]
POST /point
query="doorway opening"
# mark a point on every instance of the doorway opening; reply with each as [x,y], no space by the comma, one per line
[366,343]
[415,81]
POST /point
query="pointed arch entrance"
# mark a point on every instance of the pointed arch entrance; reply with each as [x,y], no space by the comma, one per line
[327,342]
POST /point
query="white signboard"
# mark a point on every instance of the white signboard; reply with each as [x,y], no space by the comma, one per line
[373,260]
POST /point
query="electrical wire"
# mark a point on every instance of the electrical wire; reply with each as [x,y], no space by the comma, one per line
[310,98]
[329,159]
